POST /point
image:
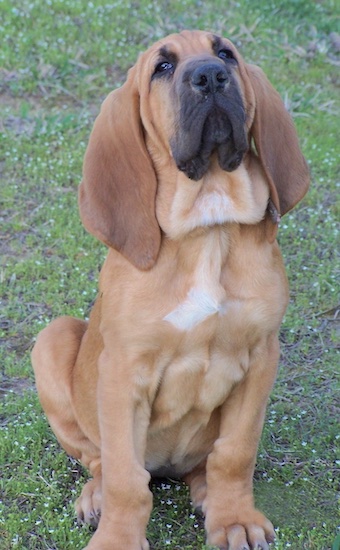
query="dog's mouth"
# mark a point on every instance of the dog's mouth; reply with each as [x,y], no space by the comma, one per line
[214,124]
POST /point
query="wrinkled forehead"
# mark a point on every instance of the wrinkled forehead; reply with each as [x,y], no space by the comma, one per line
[183,45]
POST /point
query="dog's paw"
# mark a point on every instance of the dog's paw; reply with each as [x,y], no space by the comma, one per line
[197,482]
[88,505]
[255,533]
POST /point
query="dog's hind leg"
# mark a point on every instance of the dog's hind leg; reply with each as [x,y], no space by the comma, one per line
[198,485]
[53,358]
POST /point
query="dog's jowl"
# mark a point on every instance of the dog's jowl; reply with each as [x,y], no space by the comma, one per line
[188,169]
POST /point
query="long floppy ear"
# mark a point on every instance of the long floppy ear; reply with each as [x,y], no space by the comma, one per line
[277,144]
[117,193]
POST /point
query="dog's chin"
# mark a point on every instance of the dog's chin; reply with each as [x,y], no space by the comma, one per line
[229,159]
[219,136]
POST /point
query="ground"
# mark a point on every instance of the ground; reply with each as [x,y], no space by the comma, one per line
[58,60]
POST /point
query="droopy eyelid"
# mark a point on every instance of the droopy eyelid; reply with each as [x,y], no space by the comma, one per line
[165,57]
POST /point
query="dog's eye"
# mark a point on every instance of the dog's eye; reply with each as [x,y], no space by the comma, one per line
[226,54]
[164,67]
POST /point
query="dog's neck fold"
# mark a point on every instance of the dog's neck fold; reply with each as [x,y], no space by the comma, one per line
[219,198]
[201,220]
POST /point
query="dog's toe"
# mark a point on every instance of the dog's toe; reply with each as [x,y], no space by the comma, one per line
[88,505]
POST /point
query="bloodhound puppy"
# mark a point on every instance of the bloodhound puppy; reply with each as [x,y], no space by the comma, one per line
[189,167]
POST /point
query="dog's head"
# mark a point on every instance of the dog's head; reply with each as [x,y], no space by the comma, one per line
[189,99]
[195,79]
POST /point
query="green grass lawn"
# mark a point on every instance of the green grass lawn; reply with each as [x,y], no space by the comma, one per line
[58,60]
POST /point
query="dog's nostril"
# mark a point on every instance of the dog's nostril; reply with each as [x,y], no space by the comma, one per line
[209,78]
[221,77]
[203,81]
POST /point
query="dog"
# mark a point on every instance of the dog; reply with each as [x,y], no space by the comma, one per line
[189,166]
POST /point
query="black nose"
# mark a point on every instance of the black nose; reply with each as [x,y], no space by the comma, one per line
[209,78]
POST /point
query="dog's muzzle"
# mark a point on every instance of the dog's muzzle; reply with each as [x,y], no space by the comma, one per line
[211,119]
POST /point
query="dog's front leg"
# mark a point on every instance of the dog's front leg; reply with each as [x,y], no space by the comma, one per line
[232,521]
[123,419]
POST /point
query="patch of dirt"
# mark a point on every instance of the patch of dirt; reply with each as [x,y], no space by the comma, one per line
[14,385]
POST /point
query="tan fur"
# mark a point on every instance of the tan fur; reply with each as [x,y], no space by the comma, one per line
[172,372]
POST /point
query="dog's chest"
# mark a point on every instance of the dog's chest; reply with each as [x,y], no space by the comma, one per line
[194,382]
[209,359]
[197,325]
[205,350]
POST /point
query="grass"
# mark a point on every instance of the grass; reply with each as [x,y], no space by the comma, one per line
[58,60]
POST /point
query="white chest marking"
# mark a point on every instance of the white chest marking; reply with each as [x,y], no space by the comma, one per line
[198,306]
